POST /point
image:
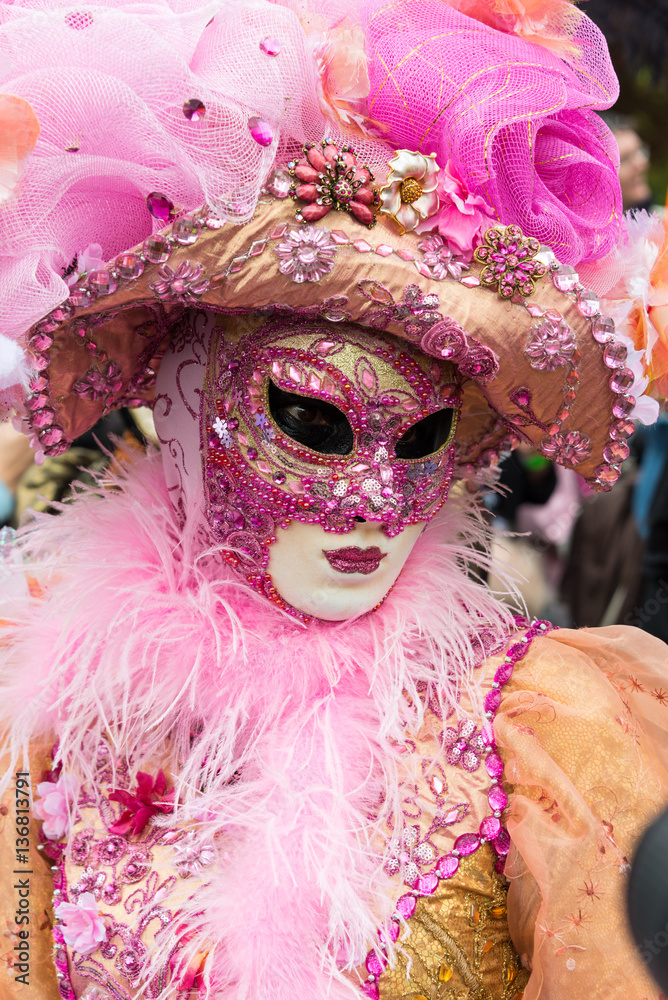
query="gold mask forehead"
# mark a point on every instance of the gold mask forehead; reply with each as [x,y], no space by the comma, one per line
[373,364]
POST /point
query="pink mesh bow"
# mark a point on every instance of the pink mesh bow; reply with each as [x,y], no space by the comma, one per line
[516,120]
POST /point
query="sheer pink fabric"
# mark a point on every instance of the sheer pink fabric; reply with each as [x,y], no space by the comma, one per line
[582,731]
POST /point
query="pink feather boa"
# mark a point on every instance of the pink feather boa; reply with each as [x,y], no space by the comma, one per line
[146,637]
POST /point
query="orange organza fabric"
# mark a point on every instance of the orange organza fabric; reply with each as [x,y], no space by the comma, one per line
[582,729]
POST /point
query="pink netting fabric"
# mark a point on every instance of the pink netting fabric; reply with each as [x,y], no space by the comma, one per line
[108,82]
[516,120]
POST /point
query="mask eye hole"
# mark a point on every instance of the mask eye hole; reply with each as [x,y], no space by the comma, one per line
[427,436]
[311,422]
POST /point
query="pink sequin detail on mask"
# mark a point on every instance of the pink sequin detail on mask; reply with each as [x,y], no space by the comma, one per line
[257,478]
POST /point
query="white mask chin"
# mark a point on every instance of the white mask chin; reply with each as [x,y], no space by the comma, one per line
[336,577]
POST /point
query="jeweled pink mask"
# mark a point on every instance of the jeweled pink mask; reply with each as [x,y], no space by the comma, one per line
[321,423]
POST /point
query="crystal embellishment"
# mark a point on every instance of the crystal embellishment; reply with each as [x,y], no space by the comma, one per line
[270,46]
[160,206]
[194,109]
[129,266]
[260,130]
[509,259]
[306,254]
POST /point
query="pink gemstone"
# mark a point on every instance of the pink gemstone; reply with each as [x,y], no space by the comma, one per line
[447,866]
[362,246]
[62,313]
[470,281]
[393,932]
[40,362]
[534,310]
[278,231]
[157,249]
[405,255]
[504,673]
[468,843]
[54,435]
[497,798]
[129,265]
[622,380]
[517,651]
[606,475]
[160,206]
[41,342]
[270,46]
[371,989]
[256,248]
[621,430]
[603,329]
[502,843]
[194,109]
[374,964]
[260,131]
[339,237]
[426,884]
[492,700]
[103,281]
[81,297]
[490,827]
[588,303]
[616,452]
[615,354]
[623,407]
[406,906]
[38,384]
[423,269]
[43,418]
[279,183]
[37,402]
[384,250]
[566,278]
[494,765]
[185,231]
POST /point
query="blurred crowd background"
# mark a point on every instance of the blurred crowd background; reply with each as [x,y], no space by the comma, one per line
[583,559]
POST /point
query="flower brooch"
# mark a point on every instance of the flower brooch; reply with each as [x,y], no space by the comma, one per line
[509,259]
[330,178]
[410,194]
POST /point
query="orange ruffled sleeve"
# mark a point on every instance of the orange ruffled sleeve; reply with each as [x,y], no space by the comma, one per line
[582,730]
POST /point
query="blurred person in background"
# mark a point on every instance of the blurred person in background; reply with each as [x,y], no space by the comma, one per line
[634,159]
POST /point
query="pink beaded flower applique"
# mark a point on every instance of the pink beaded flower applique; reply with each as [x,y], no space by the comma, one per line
[509,259]
[330,178]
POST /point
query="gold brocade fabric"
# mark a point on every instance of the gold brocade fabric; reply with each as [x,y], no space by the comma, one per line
[459,947]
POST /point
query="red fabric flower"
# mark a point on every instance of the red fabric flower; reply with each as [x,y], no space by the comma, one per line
[140,806]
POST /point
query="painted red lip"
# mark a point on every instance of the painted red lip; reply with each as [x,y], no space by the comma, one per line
[355,560]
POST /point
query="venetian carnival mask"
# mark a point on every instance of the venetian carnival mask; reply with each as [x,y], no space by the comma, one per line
[316,429]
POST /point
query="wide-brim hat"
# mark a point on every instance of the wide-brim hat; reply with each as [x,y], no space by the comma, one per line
[538,362]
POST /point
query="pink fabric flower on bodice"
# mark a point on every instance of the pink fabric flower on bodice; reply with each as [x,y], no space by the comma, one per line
[148,799]
[54,805]
[83,927]
[462,218]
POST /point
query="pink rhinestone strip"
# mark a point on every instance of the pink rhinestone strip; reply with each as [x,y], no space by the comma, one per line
[490,830]
[614,352]
[56,853]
